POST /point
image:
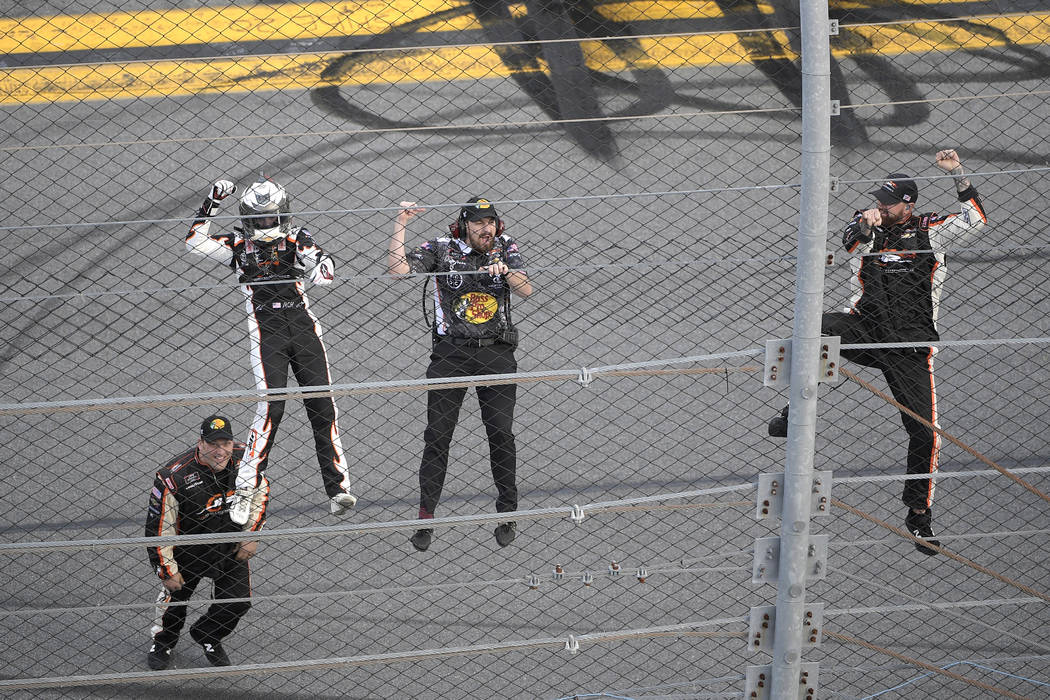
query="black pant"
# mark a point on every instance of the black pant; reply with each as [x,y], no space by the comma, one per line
[497,413]
[232,580]
[279,338]
[909,373]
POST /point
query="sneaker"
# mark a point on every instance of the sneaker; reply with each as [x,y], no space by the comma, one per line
[159,657]
[241,507]
[505,533]
[342,502]
[421,539]
[215,654]
[778,426]
[921,525]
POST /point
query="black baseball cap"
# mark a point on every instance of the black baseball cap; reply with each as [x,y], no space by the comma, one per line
[478,208]
[898,187]
[216,428]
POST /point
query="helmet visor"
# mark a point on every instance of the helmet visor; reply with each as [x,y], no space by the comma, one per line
[264,221]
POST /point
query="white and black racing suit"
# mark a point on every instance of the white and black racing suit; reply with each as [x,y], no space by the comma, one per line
[897,290]
[283,331]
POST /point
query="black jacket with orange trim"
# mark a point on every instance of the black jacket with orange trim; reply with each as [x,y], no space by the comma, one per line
[898,279]
[189,498]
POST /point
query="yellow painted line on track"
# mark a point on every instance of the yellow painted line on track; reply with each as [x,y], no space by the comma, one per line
[303,71]
[276,22]
[298,21]
[208,25]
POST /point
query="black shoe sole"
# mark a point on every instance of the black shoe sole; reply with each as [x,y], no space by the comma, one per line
[915,524]
[157,663]
[421,542]
[505,541]
[219,658]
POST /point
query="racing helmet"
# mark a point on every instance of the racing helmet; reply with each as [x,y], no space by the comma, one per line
[266,211]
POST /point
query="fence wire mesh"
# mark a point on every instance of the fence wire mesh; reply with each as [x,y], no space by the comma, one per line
[645,158]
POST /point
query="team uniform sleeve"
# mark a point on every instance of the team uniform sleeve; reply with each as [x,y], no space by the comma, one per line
[318,265]
[959,230]
[162,517]
[423,258]
[857,236]
[200,241]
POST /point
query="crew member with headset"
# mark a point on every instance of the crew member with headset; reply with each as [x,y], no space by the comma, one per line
[477,267]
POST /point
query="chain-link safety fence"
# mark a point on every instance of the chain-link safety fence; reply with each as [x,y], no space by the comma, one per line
[645,158]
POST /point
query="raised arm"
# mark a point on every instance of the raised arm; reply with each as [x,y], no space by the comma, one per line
[396,262]
[199,240]
[958,230]
[948,161]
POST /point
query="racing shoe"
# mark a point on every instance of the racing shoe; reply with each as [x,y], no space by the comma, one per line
[342,502]
[215,654]
[420,539]
[505,533]
[213,651]
[778,426]
[159,657]
[921,525]
[241,507]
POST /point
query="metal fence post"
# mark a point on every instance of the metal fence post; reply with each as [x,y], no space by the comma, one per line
[809,287]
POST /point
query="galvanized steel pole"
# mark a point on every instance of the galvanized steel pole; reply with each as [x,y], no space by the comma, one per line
[805,347]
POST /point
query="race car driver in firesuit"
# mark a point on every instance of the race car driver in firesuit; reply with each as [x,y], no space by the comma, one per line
[897,289]
[273,257]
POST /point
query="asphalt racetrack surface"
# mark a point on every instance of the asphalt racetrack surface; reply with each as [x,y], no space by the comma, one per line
[638,252]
